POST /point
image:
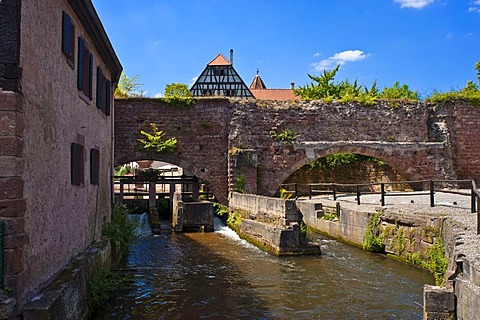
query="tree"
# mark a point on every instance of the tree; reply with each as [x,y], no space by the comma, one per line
[477,67]
[128,87]
[177,90]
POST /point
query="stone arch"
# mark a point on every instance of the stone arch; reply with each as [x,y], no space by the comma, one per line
[396,161]
[177,160]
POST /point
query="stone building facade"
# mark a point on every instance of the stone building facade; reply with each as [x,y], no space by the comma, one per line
[58,71]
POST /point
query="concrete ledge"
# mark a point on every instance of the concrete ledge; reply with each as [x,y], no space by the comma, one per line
[66,297]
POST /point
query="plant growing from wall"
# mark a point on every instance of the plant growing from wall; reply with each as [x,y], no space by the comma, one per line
[235,217]
[329,216]
[471,92]
[436,261]
[120,228]
[284,194]
[155,140]
[325,88]
[371,240]
[101,287]
[179,102]
[240,183]
[287,136]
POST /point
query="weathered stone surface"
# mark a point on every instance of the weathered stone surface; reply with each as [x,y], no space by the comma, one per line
[66,297]
[418,140]
[274,224]
[438,303]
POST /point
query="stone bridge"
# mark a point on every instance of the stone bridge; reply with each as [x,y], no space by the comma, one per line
[223,141]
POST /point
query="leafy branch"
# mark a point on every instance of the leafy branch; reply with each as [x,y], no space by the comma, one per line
[155,140]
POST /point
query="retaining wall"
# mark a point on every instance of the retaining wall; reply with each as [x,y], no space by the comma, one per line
[271,223]
[410,237]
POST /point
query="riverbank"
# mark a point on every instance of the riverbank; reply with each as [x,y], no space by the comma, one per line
[462,244]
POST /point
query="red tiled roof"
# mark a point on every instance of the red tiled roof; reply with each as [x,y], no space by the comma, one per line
[274,94]
[219,60]
[257,83]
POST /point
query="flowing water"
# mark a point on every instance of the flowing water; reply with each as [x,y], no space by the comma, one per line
[219,276]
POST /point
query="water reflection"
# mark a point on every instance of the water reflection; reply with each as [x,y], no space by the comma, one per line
[218,276]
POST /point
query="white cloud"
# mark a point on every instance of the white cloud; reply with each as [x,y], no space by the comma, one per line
[317,54]
[340,58]
[415,4]
[158,95]
[475,6]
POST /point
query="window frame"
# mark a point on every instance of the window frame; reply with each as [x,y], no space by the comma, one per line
[77,164]
[68,39]
[85,69]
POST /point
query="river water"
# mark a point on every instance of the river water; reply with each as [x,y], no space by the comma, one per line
[219,276]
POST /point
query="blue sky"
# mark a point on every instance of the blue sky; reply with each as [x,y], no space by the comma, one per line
[427,44]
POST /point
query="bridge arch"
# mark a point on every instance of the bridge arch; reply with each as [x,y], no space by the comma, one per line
[395,160]
[175,159]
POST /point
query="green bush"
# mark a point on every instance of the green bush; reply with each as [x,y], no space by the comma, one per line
[371,240]
[120,228]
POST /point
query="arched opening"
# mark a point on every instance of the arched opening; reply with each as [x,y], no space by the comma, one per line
[350,172]
[143,185]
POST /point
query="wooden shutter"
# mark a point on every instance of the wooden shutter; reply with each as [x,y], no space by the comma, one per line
[81,64]
[66,34]
[90,76]
[108,96]
[99,99]
[94,166]
[76,164]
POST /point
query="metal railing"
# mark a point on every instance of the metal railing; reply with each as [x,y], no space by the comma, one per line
[334,189]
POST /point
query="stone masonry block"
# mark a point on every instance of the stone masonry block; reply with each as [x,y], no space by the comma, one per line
[12,208]
[11,188]
[15,241]
[11,167]
[10,101]
[14,261]
[11,123]
[11,146]
[438,300]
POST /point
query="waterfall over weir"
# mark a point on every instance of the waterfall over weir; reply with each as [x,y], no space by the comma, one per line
[142,222]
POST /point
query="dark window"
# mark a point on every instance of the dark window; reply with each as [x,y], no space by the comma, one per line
[94,166]
[68,39]
[108,96]
[85,68]
[76,164]
[103,92]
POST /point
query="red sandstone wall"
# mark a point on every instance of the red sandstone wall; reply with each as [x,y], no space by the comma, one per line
[396,135]
[201,131]
[466,140]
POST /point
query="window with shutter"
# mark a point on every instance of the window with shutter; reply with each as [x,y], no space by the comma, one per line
[85,69]
[100,97]
[94,166]
[108,96]
[68,39]
[76,164]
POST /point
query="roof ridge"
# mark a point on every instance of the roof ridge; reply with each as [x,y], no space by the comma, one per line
[219,60]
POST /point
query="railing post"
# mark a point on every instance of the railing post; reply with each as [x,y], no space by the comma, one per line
[478,216]
[382,191]
[334,190]
[432,194]
[358,195]
[296,190]
[473,200]
[309,191]
[120,201]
